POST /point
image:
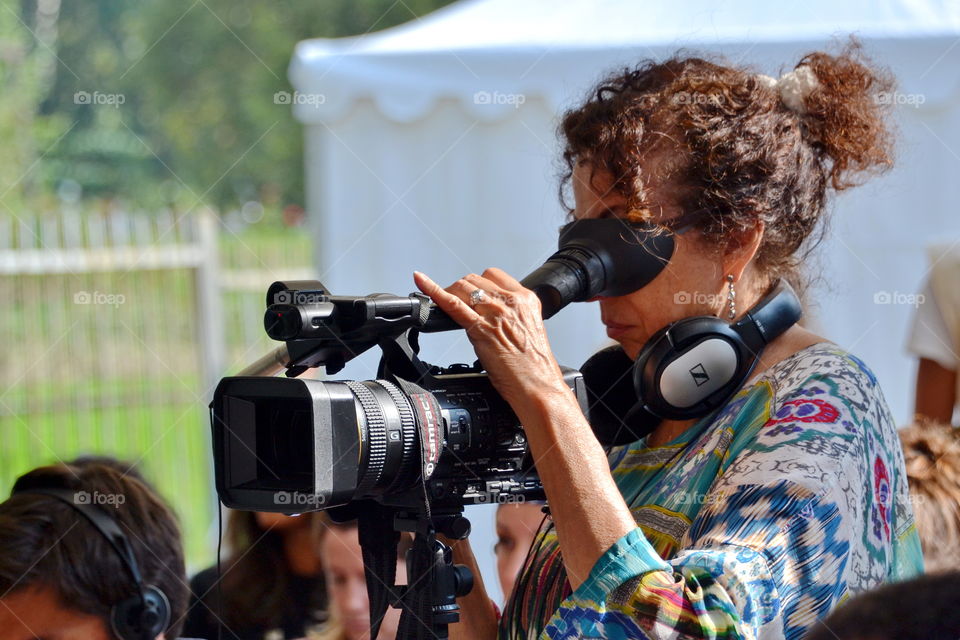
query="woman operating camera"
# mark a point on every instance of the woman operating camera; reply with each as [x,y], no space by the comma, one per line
[758,518]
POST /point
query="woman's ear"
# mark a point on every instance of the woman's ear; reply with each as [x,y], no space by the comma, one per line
[741,250]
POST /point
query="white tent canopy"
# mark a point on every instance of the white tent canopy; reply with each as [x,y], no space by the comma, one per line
[432,146]
[544,48]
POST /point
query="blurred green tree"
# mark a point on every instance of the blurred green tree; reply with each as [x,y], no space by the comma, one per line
[27,67]
[173,101]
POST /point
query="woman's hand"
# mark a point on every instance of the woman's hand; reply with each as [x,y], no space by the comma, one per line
[506,330]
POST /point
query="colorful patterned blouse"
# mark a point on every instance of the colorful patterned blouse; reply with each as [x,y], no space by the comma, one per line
[754,523]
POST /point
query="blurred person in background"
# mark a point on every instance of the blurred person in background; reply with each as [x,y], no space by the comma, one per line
[60,577]
[932,454]
[758,518]
[272,584]
[925,608]
[517,526]
[935,337]
[123,467]
[347,585]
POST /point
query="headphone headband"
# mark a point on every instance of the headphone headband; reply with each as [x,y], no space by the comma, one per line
[100,520]
[775,313]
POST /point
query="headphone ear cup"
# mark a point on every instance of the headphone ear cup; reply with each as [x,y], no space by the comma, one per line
[645,369]
[141,618]
[614,412]
[691,367]
[608,379]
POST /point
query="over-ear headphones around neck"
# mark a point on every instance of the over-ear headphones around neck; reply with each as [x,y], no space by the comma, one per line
[686,370]
[145,614]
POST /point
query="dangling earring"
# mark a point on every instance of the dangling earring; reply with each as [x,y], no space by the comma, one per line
[731,298]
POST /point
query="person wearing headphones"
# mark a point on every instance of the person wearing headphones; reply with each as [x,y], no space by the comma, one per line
[88,552]
[756,479]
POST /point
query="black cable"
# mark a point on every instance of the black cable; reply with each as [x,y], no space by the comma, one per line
[219,573]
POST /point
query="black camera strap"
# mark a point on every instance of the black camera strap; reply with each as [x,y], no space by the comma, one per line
[417,619]
[428,601]
[378,542]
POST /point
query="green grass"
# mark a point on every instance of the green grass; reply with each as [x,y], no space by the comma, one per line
[86,379]
[169,444]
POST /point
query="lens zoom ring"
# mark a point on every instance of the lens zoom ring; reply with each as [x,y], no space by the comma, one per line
[376,436]
[408,422]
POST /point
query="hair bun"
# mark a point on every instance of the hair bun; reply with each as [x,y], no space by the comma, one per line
[844,118]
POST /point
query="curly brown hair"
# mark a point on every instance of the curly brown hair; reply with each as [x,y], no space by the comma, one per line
[714,138]
[932,455]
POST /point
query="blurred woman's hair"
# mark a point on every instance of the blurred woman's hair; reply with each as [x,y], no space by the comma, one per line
[932,455]
[256,573]
[924,608]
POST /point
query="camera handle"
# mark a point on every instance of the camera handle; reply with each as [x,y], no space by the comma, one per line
[429,599]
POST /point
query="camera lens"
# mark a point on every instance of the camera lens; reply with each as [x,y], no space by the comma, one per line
[388,434]
[291,424]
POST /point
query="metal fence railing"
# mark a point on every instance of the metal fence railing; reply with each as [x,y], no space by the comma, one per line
[115,326]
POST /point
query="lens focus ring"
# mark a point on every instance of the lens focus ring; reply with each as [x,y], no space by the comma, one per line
[408,425]
[377,436]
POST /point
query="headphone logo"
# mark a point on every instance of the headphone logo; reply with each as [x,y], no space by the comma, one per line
[700,376]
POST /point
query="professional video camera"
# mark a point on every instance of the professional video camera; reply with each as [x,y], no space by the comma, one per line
[293,445]
[297,444]
[408,450]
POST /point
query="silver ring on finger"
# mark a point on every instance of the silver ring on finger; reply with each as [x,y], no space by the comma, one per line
[477,296]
